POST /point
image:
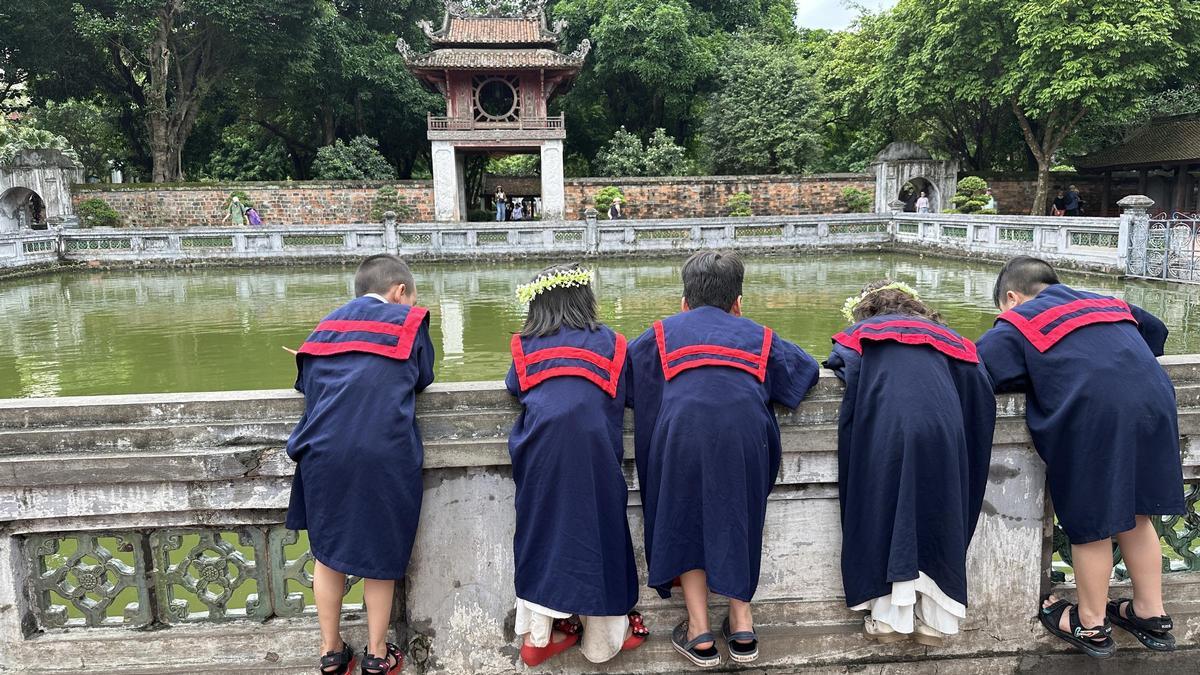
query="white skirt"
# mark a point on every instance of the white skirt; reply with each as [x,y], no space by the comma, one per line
[602,635]
[921,597]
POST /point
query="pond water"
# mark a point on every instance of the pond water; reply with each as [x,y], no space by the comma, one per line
[83,333]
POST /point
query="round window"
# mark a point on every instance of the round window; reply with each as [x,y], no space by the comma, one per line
[496,99]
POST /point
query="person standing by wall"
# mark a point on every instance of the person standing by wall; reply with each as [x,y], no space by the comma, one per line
[501,204]
[235,214]
[922,204]
[991,202]
[1059,206]
[614,211]
[1072,204]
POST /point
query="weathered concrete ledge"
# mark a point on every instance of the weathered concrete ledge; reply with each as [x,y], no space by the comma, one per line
[158,468]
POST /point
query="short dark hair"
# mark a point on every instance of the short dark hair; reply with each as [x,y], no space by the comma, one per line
[713,279]
[1025,275]
[381,273]
[571,306]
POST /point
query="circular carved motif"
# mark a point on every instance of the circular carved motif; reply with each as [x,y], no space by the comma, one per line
[210,573]
[88,581]
[496,99]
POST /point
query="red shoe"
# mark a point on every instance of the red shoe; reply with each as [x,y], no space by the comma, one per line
[638,633]
[533,656]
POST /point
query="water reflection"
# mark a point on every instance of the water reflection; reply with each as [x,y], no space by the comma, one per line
[198,330]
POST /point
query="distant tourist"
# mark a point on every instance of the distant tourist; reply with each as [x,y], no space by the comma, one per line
[991,201]
[614,211]
[1073,204]
[537,207]
[572,547]
[501,204]
[235,214]
[1059,206]
[253,217]
[907,564]
[1102,414]
[922,204]
[357,487]
[708,450]
[519,211]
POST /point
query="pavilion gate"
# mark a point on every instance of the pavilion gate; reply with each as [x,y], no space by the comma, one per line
[1167,249]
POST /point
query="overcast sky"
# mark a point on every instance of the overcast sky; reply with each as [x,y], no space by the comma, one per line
[831,13]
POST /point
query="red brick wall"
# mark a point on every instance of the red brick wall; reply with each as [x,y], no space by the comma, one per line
[300,203]
[1015,195]
[332,203]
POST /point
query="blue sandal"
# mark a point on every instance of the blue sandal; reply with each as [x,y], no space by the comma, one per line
[743,645]
[702,658]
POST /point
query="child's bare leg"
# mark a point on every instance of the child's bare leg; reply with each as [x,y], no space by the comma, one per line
[1093,567]
[377,595]
[695,595]
[328,587]
[740,618]
[1143,559]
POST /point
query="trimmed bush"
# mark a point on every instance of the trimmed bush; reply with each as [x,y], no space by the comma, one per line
[387,199]
[739,205]
[972,196]
[96,212]
[857,200]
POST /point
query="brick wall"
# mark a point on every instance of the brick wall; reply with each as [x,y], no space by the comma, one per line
[1015,195]
[298,203]
[331,203]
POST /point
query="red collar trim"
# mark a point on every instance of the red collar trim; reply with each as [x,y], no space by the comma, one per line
[755,364]
[1042,341]
[405,335]
[961,349]
[612,366]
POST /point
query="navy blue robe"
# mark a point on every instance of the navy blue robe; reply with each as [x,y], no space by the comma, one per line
[914,445]
[572,546]
[1100,408]
[357,487]
[708,448]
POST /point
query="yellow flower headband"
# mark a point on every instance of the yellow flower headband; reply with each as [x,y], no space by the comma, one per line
[564,279]
[852,302]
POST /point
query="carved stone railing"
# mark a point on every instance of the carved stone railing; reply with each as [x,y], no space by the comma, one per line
[472,124]
[1083,242]
[145,534]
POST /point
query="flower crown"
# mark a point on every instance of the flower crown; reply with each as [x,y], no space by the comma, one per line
[852,302]
[563,279]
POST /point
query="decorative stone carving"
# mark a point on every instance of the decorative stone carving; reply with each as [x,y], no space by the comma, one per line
[405,50]
[582,50]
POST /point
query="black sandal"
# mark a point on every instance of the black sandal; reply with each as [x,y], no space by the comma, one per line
[1096,641]
[342,661]
[1154,632]
[386,665]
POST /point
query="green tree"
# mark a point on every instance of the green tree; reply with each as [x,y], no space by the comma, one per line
[626,155]
[766,115]
[357,160]
[92,129]
[15,138]
[971,196]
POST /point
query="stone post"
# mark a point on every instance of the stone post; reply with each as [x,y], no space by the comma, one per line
[1134,234]
[391,242]
[445,183]
[554,201]
[591,235]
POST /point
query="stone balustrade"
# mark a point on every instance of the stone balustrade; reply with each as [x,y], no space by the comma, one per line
[1094,243]
[144,534]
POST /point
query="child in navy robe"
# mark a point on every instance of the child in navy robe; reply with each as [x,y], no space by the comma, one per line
[914,444]
[357,487]
[572,546]
[708,449]
[1102,414]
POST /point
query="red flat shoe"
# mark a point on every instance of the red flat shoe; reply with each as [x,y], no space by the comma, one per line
[638,632]
[533,656]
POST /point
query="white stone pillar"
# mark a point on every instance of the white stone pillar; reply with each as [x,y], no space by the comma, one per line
[446,187]
[460,173]
[554,200]
[1134,234]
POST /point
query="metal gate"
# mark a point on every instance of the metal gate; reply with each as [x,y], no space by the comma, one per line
[1167,249]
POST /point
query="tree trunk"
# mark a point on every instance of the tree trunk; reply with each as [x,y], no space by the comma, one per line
[1054,132]
[1043,189]
[164,165]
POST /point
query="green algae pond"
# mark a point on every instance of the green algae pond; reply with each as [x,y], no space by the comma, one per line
[212,329]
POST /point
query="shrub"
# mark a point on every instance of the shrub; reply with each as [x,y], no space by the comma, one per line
[739,205]
[387,199]
[357,160]
[625,155]
[972,196]
[857,200]
[96,212]
[604,199]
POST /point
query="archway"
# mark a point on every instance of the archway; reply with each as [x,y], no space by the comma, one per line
[911,191]
[22,208]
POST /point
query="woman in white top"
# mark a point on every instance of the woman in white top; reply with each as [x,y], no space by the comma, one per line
[922,204]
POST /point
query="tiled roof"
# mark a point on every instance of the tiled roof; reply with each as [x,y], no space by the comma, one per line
[494,58]
[488,30]
[1166,141]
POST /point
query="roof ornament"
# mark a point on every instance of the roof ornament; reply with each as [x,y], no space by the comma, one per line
[426,27]
[582,50]
[405,50]
[514,9]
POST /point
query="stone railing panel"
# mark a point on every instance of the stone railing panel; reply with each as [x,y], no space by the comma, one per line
[1084,242]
